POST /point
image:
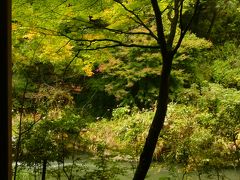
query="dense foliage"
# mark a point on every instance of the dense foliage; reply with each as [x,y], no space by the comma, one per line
[72,95]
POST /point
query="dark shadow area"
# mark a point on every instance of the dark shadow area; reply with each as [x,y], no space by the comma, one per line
[5,95]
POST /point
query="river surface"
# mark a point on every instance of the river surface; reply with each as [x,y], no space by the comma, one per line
[156,172]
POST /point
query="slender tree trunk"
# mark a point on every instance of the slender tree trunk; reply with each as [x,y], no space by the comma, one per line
[44,169]
[158,120]
[211,25]
[19,139]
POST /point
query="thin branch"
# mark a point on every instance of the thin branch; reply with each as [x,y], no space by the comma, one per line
[56,33]
[117,43]
[136,21]
[68,65]
[19,138]
[118,31]
[90,5]
[165,9]
[31,126]
[50,31]
[125,32]
[23,132]
[99,40]
[139,20]
[51,10]
[64,45]
[88,101]
[174,22]
[184,31]
[120,45]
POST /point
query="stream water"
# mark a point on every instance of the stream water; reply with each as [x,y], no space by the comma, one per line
[156,172]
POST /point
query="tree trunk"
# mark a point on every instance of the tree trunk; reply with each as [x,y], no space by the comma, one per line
[158,120]
[44,169]
[19,139]
[211,25]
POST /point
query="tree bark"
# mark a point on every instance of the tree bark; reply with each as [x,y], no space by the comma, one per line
[158,120]
[168,52]
[44,169]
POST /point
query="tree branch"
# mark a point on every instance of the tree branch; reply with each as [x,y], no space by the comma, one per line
[139,20]
[116,42]
[160,30]
[63,45]
[174,22]
[181,14]
[118,31]
[68,65]
[32,124]
[51,10]
[184,31]
[120,45]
